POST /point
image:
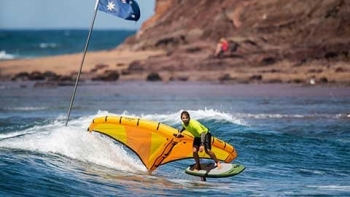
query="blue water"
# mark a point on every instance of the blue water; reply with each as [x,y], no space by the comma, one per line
[16,44]
[293,140]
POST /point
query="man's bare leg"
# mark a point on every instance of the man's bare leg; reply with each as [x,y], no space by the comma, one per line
[196,158]
[213,156]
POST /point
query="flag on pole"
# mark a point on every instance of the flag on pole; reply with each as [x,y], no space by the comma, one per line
[126,9]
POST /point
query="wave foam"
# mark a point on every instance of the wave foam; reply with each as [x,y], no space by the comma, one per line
[6,56]
[48,45]
[76,143]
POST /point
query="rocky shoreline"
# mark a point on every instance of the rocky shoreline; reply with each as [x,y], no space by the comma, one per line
[111,65]
[126,65]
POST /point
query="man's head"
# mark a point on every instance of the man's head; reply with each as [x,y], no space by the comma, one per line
[222,40]
[185,117]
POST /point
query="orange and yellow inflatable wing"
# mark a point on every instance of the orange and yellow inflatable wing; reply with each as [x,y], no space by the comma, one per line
[155,143]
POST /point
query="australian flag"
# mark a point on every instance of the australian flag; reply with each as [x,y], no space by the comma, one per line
[126,9]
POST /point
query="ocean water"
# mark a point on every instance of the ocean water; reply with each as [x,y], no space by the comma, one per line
[15,44]
[293,140]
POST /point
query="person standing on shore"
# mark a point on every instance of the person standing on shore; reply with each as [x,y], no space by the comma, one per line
[221,48]
[202,138]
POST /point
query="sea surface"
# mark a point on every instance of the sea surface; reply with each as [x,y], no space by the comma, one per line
[293,140]
[16,44]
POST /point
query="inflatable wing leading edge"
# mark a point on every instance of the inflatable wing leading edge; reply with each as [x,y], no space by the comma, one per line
[155,143]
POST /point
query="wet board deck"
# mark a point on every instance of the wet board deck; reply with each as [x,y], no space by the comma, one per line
[210,170]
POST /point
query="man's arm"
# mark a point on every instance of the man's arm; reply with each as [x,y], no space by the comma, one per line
[179,131]
[203,138]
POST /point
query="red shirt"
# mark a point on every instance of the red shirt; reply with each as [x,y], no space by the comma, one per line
[224,45]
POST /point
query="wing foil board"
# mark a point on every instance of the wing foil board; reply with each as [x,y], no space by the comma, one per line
[210,170]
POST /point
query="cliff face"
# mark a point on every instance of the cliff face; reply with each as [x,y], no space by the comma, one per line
[271,36]
[275,22]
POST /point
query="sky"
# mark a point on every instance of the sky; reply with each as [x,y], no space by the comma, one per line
[63,14]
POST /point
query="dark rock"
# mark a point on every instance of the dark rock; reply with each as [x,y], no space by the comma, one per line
[20,76]
[256,77]
[178,78]
[153,76]
[125,72]
[297,81]
[193,49]
[233,46]
[36,75]
[98,67]
[330,55]
[120,64]
[225,77]
[313,70]
[136,66]
[339,70]
[51,76]
[323,80]
[108,75]
[274,81]
[182,78]
[171,41]
[268,60]
[66,78]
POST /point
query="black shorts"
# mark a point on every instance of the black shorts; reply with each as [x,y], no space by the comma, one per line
[207,141]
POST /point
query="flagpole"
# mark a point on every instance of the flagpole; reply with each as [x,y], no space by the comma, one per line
[82,63]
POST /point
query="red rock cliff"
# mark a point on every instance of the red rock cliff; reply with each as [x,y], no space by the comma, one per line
[285,33]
